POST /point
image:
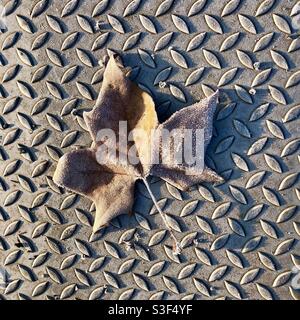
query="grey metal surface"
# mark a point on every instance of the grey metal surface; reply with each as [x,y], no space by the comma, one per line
[241,239]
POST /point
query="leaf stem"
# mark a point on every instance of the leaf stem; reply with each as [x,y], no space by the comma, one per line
[177,247]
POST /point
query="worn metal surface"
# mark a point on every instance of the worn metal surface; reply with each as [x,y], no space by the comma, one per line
[241,239]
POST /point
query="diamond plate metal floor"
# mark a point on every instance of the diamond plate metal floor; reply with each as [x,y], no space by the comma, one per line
[241,238]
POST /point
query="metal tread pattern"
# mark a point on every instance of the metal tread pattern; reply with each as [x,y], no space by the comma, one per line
[241,238]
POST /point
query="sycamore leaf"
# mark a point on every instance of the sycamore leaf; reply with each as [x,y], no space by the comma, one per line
[110,183]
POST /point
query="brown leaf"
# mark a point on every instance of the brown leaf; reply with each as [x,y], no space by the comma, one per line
[110,183]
